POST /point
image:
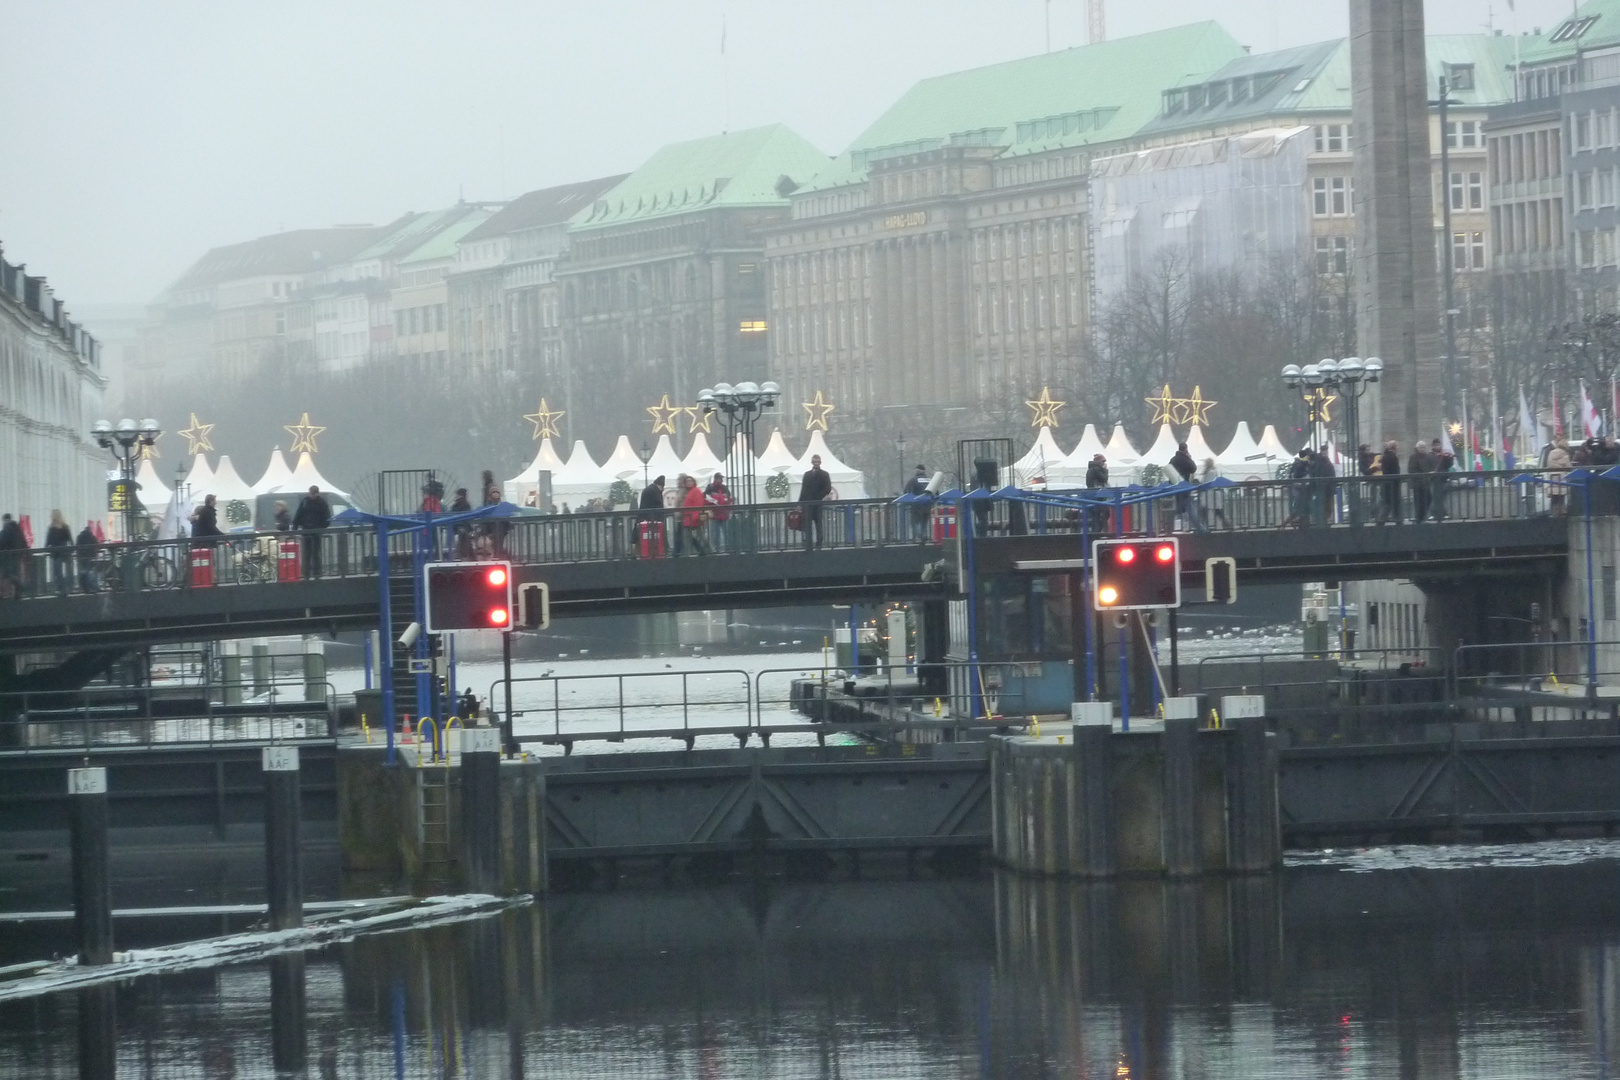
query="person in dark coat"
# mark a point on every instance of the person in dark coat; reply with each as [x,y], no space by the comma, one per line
[58,539]
[1097,478]
[464,532]
[651,517]
[1299,501]
[1323,477]
[13,557]
[205,519]
[283,518]
[313,516]
[1186,468]
[920,512]
[1419,465]
[1389,467]
[86,543]
[813,490]
[1440,469]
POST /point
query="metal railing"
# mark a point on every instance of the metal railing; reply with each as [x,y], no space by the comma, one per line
[128,718]
[345,552]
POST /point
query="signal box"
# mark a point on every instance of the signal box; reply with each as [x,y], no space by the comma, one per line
[468,596]
[1132,575]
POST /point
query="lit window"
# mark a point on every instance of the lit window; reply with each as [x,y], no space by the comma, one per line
[752,326]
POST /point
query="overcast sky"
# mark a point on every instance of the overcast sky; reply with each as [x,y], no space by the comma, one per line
[136,135]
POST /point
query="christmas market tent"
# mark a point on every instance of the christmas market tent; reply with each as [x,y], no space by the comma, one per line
[151,489]
[176,520]
[305,475]
[518,489]
[1122,457]
[701,462]
[579,480]
[847,482]
[1160,453]
[232,495]
[1044,464]
[625,464]
[1243,459]
[1273,450]
[276,474]
[776,460]
[1199,448]
[1075,464]
[199,479]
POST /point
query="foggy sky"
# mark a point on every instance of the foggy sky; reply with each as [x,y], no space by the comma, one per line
[135,136]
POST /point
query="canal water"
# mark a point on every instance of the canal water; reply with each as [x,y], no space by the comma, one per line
[1498,962]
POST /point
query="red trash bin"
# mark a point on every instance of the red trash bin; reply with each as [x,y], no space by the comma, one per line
[202,567]
[944,523]
[288,567]
[652,539]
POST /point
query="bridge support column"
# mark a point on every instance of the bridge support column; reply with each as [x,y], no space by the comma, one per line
[261,667]
[481,807]
[314,669]
[933,641]
[98,1032]
[282,827]
[289,1047]
[230,671]
[92,882]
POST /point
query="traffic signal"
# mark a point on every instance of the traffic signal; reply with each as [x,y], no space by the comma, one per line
[534,605]
[1135,574]
[469,596]
[1220,580]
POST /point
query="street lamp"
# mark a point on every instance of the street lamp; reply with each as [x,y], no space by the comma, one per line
[646,456]
[739,408]
[126,442]
[900,453]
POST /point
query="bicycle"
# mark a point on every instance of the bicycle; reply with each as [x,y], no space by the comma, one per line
[154,570]
[255,563]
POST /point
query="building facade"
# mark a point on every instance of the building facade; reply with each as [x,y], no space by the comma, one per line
[50,395]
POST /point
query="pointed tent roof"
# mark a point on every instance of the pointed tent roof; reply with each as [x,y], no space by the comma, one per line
[200,477]
[305,474]
[1198,446]
[1243,459]
[516,489]
[227,485]
[665,462]
[848,482]
[1272,447]
[1119,450]
[153,492]
[624,463]
[580,476]
[1088,447]
[1162,450]
[1042,458]
[701,462]
[276,474]
[775,458]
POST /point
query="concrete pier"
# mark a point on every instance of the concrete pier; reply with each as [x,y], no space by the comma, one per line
[92,882]
[1166,798]
[283,850]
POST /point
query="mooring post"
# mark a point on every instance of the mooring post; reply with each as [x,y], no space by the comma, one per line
[481,807]
[283,855]
[1255,832]
[1093,835]
[98,1032]
[1180,821]
[288,1045]
[92,882]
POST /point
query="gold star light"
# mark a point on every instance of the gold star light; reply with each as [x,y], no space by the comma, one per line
[1194,410]
[1045,409]
[1163,406]
[150,450]
[701,419]
[196,437]
[1317,401]
[663,416]
[1455,428]
[816,413]
[545,421]
[303,434]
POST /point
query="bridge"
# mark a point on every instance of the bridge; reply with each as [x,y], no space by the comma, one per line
[872,551]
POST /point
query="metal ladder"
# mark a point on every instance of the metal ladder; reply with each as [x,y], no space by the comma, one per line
[433,827]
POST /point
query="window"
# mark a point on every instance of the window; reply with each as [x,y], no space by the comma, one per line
[1585,191]
[1476,251]
[1476,191]
[751,326]
[1338,190]
[1603,129]
[1605,247]
[1462,76]
[1587,245]
[1462,134]
[1605,187]
[1332,254]
[1582,123]
[1332,138]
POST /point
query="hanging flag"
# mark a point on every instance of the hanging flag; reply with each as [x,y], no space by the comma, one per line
[1527,424]
[1558,417]
[1591,423]
[1478,462]
[1496,430]
[1445,439]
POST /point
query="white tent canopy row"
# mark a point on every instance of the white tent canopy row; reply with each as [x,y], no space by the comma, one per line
[1244,458]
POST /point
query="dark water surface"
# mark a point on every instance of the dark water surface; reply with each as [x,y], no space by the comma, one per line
[1408,963]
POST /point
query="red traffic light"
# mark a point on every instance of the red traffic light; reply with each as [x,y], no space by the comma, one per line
[497,615]
[1136,574]
[1125,555]
[496,576]
[1165,553]
[468,596]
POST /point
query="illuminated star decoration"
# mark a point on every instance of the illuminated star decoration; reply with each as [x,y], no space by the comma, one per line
[1317,401]
[150,450]
[1194,410]
[816,413]
[196,437]
[1164,406]
[663,416]
[545,420]
[701,419]
[1045,409]
[303,434]
[1455,429]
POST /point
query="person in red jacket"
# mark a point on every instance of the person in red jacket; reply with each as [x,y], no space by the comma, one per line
[718,497]
[694,508]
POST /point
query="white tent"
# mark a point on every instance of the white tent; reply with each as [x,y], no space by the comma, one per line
[305,475]
[1075,464]
[276,474]
[847,482]
[1243,459]
[1273,450]
[1162,450]
[517,489]
[776,459]
[667,463]
[152,491]
[1042,464]
[228,488]
[701,462]
[579,480]
[625,464]
[1123,459]
[176,520]
[199,479]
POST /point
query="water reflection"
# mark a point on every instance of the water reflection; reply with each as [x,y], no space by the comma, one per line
[1491,972]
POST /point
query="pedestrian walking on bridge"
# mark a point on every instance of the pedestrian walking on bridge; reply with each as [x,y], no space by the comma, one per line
[313,516]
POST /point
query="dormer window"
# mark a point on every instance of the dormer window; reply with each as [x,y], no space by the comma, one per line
[1460,76]
[1573,29]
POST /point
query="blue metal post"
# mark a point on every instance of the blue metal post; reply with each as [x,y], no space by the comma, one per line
[1591,600]
[964,533]
[424,644]
[368,660]
[385,636]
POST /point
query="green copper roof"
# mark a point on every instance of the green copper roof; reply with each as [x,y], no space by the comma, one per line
[442,244]
[1594,24]
[739,168]
[1089,94]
